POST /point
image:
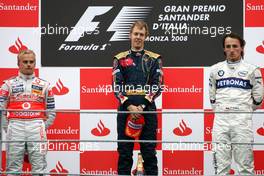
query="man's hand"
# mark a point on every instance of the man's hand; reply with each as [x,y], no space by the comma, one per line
[133,108]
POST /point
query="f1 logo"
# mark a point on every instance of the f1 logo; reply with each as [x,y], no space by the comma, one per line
[85,23]
[120,26]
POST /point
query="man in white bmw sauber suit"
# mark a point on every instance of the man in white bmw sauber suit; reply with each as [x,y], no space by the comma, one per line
[237,87]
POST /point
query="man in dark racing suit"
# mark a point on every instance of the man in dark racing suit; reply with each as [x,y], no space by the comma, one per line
[137,81]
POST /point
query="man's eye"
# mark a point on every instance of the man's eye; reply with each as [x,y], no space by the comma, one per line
[231,46]
[25,62]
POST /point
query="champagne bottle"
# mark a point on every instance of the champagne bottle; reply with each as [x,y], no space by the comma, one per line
[140,167]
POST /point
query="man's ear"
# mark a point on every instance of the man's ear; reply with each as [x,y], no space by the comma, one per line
[242,52]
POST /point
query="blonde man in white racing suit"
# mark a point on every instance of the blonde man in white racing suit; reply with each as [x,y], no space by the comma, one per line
[26,92]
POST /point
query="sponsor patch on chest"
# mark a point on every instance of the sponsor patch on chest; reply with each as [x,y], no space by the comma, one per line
[242,73]
[17,88]
[233,82]
[36,89]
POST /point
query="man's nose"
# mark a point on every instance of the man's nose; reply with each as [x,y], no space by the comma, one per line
[232,49]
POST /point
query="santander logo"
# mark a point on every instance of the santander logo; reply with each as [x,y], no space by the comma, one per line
[17,47]
[100,130]
[260,131]
[59,88]
[182,130]
[59,169]
[260,48]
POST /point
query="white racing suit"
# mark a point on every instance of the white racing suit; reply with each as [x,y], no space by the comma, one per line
[26,93]
[234,87]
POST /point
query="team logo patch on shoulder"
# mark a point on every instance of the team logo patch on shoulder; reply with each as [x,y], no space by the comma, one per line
[242,73]
[221,73]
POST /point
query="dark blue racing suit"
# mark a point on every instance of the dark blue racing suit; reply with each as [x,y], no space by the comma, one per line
[137,80]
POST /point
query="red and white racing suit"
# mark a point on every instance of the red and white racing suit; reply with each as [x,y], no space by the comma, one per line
[236,88]
[27,93]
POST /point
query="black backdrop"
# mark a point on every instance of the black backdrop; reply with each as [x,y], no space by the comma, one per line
[97,47]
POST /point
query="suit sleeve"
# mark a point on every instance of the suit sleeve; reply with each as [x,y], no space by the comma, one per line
[50,107]
[212,89]
[118,81]
[257,88]
[156,80]
[4,98]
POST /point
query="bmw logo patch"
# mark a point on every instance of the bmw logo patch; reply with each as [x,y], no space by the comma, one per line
[221,73]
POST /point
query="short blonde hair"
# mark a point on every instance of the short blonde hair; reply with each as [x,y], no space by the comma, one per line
[140,24]
[23,52]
